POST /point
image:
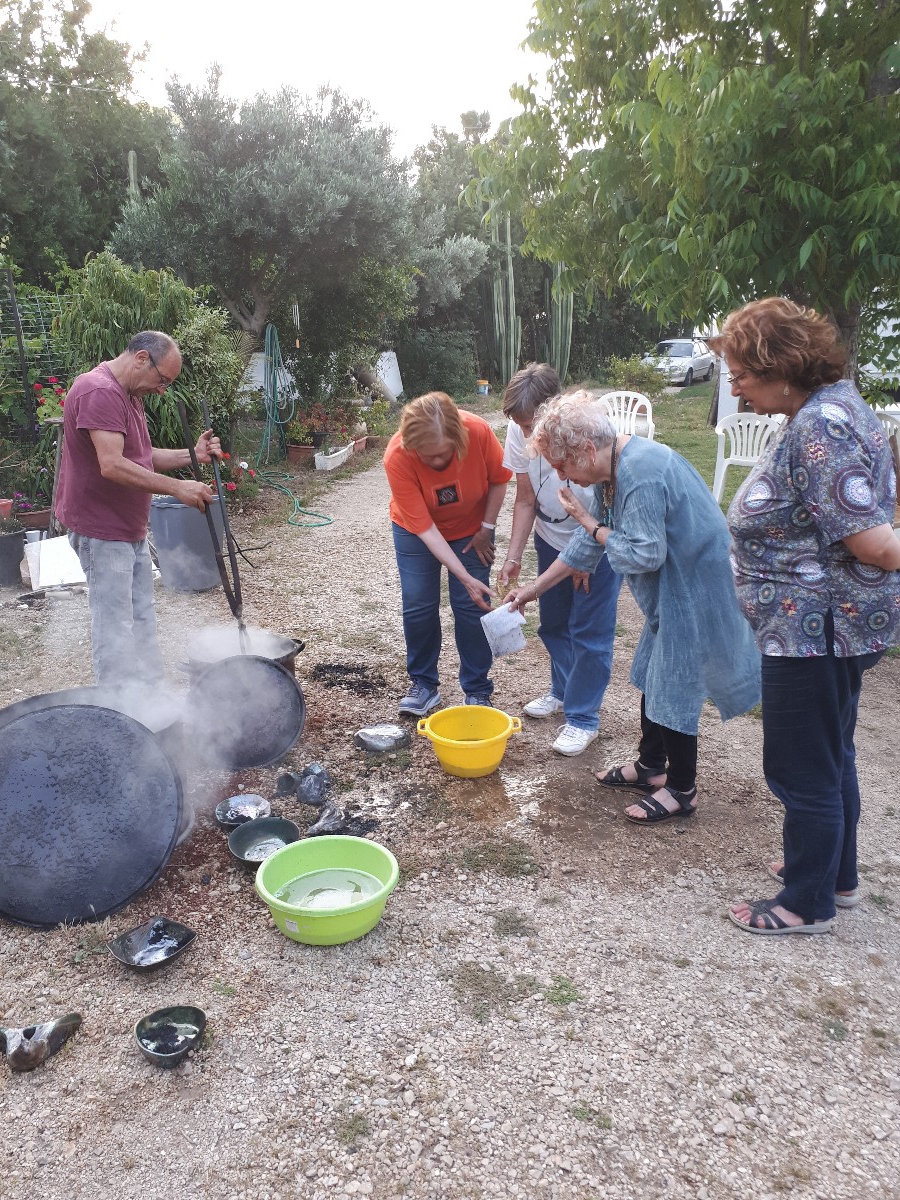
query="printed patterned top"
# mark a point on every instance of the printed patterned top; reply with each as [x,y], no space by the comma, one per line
[826,475]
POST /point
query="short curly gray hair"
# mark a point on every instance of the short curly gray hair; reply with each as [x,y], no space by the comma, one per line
[569,425]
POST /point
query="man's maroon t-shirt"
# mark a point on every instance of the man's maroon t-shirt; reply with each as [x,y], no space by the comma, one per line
[85,501]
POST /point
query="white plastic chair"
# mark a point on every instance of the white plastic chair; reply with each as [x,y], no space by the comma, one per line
[747,436]
[630,412]
[890,423]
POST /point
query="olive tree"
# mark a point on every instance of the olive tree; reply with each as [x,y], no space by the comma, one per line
[274,201]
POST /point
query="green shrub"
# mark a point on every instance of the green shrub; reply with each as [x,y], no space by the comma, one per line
[214,358]
[441,360]
[634,375]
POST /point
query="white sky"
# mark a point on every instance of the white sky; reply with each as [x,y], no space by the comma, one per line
[417,63]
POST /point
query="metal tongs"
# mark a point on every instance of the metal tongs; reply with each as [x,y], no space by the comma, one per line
[232,586]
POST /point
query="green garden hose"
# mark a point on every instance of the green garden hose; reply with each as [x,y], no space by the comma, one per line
[270,479]
[280,408]
[279,401]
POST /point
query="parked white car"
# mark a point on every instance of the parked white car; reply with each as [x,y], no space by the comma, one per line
[682,360]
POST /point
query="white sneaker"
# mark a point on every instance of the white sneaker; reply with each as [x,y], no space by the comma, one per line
[572,740]
[545,706]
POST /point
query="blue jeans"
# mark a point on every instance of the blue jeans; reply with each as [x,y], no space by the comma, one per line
[809,717]
[124,644]
[578,629]
[420,587]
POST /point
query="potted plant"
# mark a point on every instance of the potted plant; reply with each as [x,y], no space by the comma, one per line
[32,511]
[307,432]
[377,423]
[12,551]
[300,446]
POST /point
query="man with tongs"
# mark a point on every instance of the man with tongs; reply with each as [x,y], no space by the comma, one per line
[108,474]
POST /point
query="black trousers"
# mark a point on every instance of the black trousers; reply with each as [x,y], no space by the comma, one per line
[667,751]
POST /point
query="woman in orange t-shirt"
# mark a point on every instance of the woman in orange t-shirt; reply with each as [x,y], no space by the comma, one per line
[447,478]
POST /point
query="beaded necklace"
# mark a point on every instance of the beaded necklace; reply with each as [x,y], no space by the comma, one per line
[608,486]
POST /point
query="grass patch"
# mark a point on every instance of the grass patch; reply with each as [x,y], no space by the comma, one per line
[511,858]
[351,1129]
[223,989]
[885,903]
[562,992]
[510,923]
[10,642]
[92,940]
[592,1116]
[681,423]
[835,1028]
[410,866]
[486,991]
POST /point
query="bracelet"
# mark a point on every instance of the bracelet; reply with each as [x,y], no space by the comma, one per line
[517,561]
[599,525]
[487,525]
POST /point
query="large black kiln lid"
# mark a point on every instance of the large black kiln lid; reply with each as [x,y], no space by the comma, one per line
[90,808]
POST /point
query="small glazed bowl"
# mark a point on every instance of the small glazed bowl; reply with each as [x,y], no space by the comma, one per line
[237,810]
[167,1036]
[253,842]
[152,944]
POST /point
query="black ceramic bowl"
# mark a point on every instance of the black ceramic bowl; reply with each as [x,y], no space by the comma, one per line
[152,944]
[168,1035]
[237,810]
[254,841]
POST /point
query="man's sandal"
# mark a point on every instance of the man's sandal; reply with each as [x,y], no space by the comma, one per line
[615,779]
[848,900]
[772,924]
[656,812]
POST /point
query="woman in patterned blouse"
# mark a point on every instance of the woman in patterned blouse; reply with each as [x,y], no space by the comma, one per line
[816,563]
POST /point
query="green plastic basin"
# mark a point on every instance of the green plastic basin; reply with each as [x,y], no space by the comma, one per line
[337,925]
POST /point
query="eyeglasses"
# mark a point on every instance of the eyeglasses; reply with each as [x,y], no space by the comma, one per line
[163,381]
[740,375]
[537,504]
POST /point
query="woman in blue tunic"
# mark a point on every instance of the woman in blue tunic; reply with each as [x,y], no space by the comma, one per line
[660,528]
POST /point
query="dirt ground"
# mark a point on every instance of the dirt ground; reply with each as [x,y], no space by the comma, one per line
[687,1059]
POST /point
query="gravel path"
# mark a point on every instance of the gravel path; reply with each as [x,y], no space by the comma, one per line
[554,1004]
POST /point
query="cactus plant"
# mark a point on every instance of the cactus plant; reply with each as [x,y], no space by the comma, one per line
[560,305]
[507,327]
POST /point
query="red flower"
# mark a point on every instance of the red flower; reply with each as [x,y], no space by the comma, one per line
[59,391]
[38,387]
[52,379]
[226,456]
[62,404]
[231,487]
[252,473]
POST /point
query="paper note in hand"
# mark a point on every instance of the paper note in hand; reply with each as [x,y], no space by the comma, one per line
[503,630]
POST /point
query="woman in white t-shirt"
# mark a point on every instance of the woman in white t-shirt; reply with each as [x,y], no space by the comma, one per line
[578,615]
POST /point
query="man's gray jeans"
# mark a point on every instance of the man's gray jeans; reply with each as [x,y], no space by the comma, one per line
[123,623]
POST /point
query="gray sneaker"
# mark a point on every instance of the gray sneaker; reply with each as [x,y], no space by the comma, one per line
[419,700]
[485,700]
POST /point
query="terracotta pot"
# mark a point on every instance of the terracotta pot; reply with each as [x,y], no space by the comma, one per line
[36,518]
[5,507]
[300,454]
[359,444]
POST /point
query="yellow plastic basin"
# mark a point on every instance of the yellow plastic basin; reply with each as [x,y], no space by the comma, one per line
[469,739]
